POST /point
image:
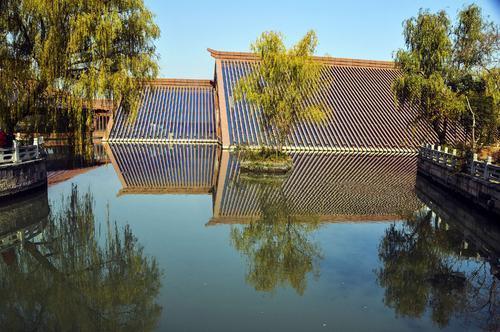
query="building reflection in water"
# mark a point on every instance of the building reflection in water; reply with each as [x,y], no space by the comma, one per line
[276,244]
[273,218]
[63,155]
[58,272]
[435,255]
[334,187]
[164,169]
[280,215]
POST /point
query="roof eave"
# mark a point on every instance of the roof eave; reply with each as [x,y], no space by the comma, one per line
[181,82]
[342,62]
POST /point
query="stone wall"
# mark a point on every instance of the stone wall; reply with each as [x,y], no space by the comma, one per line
[476,226]
[483,193]
[16,178]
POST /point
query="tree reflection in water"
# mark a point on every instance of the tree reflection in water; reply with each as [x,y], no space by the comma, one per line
[427,265]
[277,245]
[70,278]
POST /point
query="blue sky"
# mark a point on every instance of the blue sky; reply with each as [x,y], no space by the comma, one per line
[351,29]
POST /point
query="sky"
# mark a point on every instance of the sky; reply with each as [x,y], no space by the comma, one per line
[349,29]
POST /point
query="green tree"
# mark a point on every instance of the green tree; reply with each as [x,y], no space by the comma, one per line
[450,71]
[282,84]
[277,244]
[57,56]
[416,273]
[75,276]
[425,267]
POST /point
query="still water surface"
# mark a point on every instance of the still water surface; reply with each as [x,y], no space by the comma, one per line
[174,238]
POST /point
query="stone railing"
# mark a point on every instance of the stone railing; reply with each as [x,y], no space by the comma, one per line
[483,169]
[21,153]
[449,159]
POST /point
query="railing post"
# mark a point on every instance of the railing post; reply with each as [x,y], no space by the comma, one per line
[486,174]
[15,157]
[35,143]
[473,165]
[454,159]
[439,154]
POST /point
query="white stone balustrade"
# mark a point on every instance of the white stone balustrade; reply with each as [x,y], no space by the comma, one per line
[21,153]
[483,169]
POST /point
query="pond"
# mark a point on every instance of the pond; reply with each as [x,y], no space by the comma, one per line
[176,238]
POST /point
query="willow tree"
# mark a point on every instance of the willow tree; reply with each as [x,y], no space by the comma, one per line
[282,84]
[417,273]
[450,71]
[57,56]
[425,268]
[78,275]
[277,245]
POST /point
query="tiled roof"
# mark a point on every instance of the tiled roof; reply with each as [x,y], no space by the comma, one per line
[361,113]
[360,107]
[159,168]
[170,110]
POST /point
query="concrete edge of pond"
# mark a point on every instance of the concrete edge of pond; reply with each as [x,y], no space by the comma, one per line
[18,178]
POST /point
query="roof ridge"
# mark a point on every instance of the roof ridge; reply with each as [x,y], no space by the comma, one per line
[344,62]
[181,82]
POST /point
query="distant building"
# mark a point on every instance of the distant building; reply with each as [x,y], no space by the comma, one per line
[361,111]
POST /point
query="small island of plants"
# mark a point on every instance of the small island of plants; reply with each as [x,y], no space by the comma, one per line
[264,160]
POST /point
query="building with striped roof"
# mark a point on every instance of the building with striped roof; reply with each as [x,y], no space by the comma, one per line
[171,110]
[361,114]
